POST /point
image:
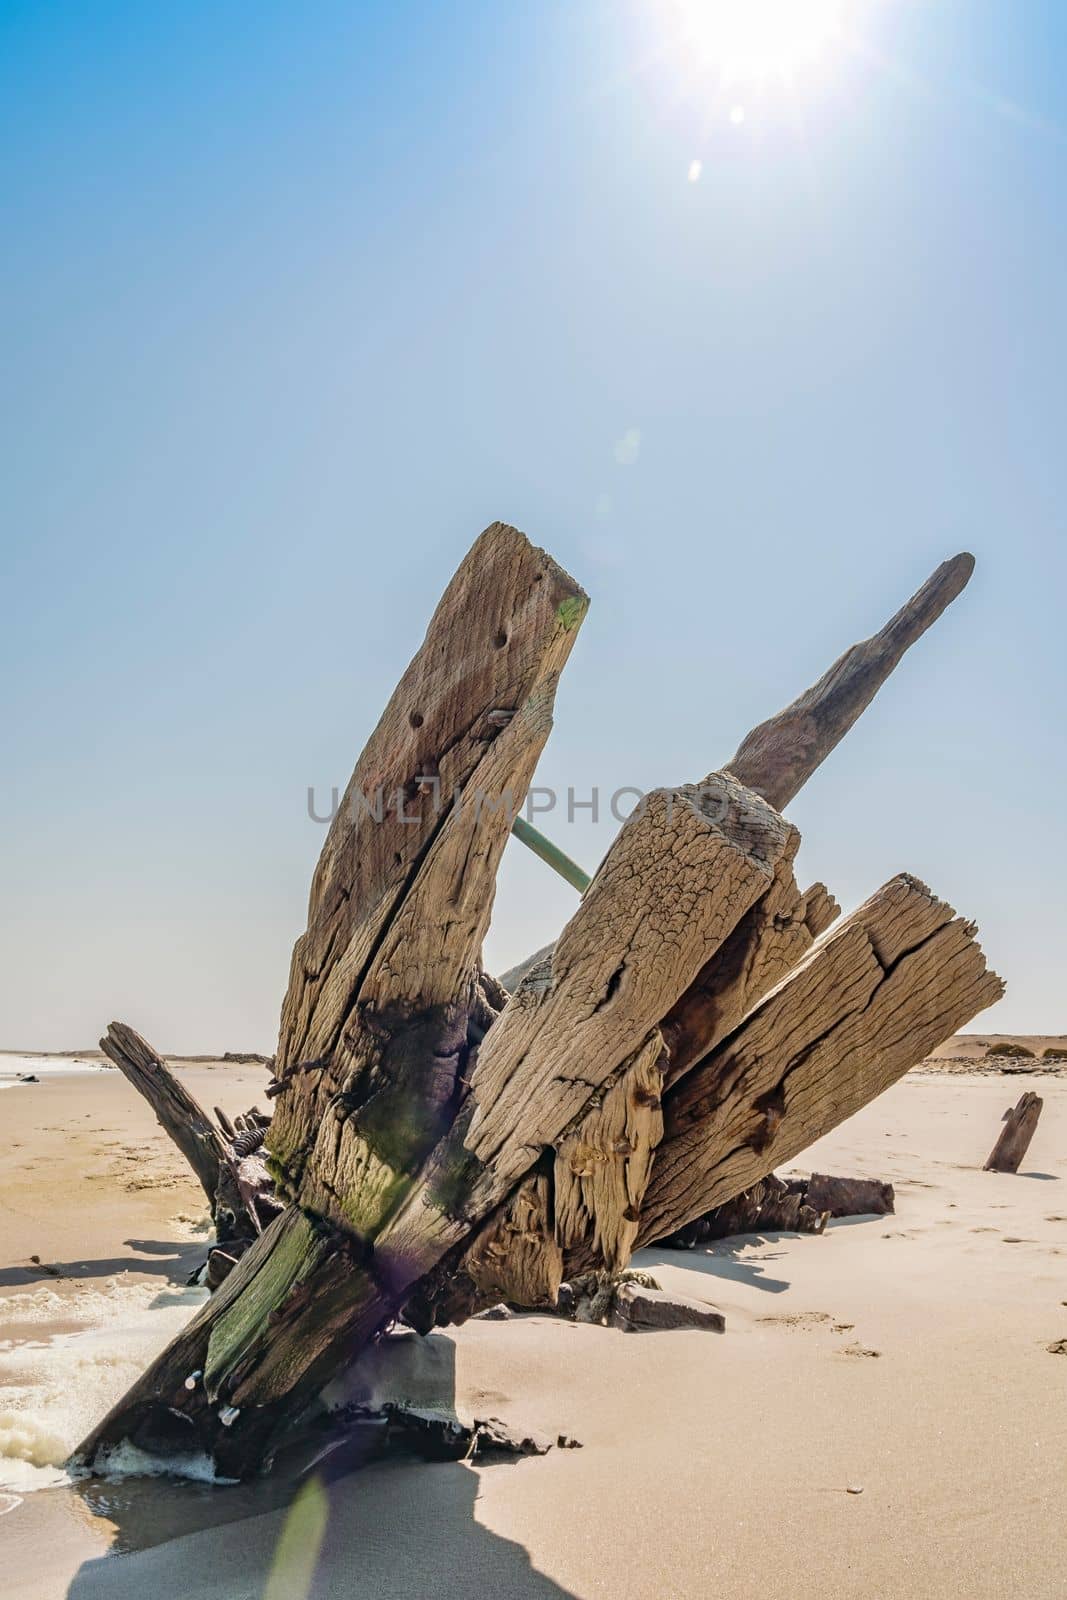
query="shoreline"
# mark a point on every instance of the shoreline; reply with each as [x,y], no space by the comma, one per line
[883,1355]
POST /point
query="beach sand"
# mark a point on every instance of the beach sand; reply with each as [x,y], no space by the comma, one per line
[905,1356]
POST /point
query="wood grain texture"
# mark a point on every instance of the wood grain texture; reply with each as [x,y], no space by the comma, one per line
[506,621]
[395,1079]
[386,993]
[386,1002]
[177,1112]
[874,996]
[679,876]
[603,1163]
[603,1169]
[777,758]
[770,939]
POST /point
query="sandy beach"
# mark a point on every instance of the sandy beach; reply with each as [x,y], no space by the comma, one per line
[906,1357]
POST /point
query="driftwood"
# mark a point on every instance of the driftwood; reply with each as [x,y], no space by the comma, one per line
[791,1205]
[1020,1125]
[850,1197]
[226,1156]
[438,1147]
[872,998]
[199,1140]
[777,758]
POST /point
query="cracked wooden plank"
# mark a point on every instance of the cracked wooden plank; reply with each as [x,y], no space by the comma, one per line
[680,875]
[506,621]
[386,988]
[602,1164]
[873,997]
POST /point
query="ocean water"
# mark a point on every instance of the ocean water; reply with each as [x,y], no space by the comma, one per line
[68,1354]
[12,1067]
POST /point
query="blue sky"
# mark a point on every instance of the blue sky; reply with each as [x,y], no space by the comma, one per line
[296,299]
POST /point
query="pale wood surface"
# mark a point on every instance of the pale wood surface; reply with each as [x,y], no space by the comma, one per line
[777,758]
[871,999]
[678,878]
[506,621]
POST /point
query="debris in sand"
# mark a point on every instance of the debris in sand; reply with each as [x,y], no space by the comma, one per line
[1020,1125]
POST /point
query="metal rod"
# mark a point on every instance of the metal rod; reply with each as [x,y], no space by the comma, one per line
[551,854]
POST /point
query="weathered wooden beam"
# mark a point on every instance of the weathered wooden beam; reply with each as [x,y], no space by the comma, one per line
[768,942]
[872,998]
[505,623]
[396,1079]
[590,1199]
[414,1124]
[849,1197]
[1020,1125]
[227,1162]
[383,1003]
[386,1003]
[177,1113]
[682,872]
[602,1165]
[777,758]
[792,1205]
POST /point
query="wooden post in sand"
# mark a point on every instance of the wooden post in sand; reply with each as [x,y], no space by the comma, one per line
[1020,1124]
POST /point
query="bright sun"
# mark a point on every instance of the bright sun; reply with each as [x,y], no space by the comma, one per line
[750,41]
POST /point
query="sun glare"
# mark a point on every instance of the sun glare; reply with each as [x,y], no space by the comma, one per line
[750,41]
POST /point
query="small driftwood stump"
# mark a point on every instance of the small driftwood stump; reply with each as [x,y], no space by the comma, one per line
[1020,1124]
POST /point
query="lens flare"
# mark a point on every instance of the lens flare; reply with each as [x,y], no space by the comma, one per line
[750,41]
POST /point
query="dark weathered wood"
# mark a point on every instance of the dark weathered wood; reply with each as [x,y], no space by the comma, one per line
[1020,1125]
[190,1400]
[177,1113]
[792,1205]
[769,1206]
[849,1197]
[777,758]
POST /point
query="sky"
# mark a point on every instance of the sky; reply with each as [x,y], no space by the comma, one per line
[297,298]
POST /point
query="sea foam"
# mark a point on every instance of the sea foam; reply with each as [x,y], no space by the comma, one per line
[55,1388]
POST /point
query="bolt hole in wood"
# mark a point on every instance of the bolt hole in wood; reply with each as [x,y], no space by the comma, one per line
[416,719]
[500,639]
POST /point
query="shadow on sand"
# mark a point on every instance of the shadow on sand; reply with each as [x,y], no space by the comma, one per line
[389,1528]
[723,1260]
[156,1258]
